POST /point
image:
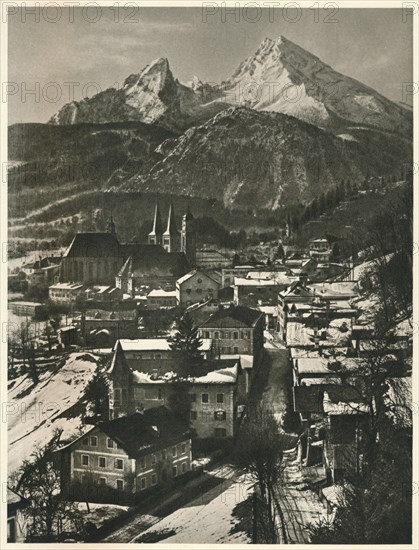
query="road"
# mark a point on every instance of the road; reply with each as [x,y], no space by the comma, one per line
[202,496]
[300,505]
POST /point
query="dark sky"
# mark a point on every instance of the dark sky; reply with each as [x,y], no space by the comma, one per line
[94,50]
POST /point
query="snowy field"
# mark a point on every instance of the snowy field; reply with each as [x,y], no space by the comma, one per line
[35,412]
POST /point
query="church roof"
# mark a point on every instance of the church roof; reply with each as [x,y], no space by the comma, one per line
[152,260]
[94,245]
[157,223]
[171,222]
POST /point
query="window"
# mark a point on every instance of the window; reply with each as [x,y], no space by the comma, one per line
[85,460]
[193,415]
[85,441]
[174,451]
[235,335]
[93,441]
[102,481]
[220,398]
[174,471]
[109,443]
[184,467]
[188,290]
[192,397]
[117,395]
[153,479]
[157,356]
[119,464]
[183,447]
[142,462]
[235,350]
[120,484]
[219,415]
[206,334]
[216,336]
[205,398]
[153,460]
[143,483]
[220,432]
[102,462]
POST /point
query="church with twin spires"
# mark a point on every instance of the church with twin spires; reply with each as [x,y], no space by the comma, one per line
[99,258]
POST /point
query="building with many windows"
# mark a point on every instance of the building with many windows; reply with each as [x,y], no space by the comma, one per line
[235,330]
[126,456]
[210,397]
[196,286]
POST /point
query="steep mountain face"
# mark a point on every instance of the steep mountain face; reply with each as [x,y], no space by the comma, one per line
[280,77]
[265,159]
[284,78]
[152,96]
[283,128]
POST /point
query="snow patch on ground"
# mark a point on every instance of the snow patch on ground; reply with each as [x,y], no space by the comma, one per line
[33,412]
[209,519]
[346,137]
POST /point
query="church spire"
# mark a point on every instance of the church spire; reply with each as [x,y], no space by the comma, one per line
[155,235]
[157,224]
[171,223]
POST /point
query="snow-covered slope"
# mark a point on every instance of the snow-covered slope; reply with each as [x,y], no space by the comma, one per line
[283,77]
[35,412]
[151,96]
[280,76]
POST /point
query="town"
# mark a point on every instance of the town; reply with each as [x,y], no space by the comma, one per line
[163,391]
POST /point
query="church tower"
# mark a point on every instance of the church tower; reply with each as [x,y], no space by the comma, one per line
[156,234]
[171,237]
[188,238]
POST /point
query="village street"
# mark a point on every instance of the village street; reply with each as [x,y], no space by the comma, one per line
[209,507]
[299,504]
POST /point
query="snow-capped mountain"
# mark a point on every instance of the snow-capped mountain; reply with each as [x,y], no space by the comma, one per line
[151,96]
[284,78]
[280,77]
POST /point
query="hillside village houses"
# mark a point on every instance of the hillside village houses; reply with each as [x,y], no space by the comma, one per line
[127,455]
[320,323]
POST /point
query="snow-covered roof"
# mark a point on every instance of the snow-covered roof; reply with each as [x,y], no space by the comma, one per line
[226,375]
[268,310]
[66,286]
[160,293]
[343,407]
[192,274]
[155,344]
[242,281]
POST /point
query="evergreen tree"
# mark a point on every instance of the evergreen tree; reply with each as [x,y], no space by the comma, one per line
[187,341]
[97,391]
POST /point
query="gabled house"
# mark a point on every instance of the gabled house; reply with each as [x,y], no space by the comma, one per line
[126,456]
[196,286]
[211,394]
[235,330]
